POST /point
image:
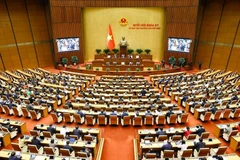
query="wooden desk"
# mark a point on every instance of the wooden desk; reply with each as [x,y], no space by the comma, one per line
[5,79]
[13,75]
[24,73]
[235,142]
[44,71]
[6,139]
[21,125]
[123,67]
[218,130]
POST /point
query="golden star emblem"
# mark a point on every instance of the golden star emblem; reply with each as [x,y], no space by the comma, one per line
[109,37]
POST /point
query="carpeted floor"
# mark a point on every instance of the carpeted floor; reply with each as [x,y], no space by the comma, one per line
[118,140]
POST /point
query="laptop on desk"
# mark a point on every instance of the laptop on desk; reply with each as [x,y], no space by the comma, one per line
[72,140]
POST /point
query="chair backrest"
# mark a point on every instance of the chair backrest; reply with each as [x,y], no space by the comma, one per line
[77,118]
[59,136]
[87,138]
[33,114]
[15,111]
[127,120]
[54,117]
[161,119]
[6,109]
[48,150]
[203,152]
[233,133]
[226,113]
[205,135]
[151,139]
[236,113]
[137,121]
[66,117]
[149,120]
[150,155]
[191,136]
[81,154]
[16,147]
[5,129]
[173,118]
[162,137]
[221,150]
[25,112]
[114,119]
[207,116]
[64,152]
[33,148]
[184,118]
[187,153]
[101,119]
[176,137]
[89,120]
[73,136]
[34,133]
[46,134]
[168,154]
[217,115]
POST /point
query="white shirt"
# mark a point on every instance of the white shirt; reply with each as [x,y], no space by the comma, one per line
[63,131]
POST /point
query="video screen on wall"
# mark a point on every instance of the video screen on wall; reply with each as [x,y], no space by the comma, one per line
[179,44]
[67,44]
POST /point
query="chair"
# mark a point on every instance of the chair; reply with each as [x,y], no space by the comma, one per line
[59,136]
[150,155]
[137,121]
[216,116]
[151,139]
[102,120]
[235,114]
[162,137]
[16,112]
[47,134]
[90,120]
[16,147]
[88,138]
[34,133]
[183,118]
[206,116]
[12,133]
[202,152]
[67,118]
[113,120]
[218,151]
[225,114]
[168,153]
[78,119]
[66,152]
[50,151]
[34,149]
[56,118]
[7,110]
[82,155]
[34,115]
[26,113]
[126,121]
[186,153]
[148,120]
[74,136]
[176,137]
[190,137]
[160,120]
[205,135]
[227,137]
[172,119]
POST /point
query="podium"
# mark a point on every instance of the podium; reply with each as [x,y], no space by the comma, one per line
[123,50]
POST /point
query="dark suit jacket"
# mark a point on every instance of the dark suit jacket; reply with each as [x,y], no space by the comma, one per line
[200,131]
[37,143]
[167,146]
[77,132]
[214,110]
[68,147]
[199,145]
[160,133]
[52,130]
[124,114]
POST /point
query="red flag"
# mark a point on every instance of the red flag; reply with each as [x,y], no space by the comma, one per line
[110,39]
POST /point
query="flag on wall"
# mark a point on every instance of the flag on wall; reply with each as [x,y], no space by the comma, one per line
[110,39]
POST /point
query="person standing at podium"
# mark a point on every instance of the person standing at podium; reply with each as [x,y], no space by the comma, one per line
[123,42]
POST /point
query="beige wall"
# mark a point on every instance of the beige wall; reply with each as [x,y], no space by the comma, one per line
[96,21]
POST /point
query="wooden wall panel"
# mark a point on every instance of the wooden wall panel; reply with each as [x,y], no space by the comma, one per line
[181,20]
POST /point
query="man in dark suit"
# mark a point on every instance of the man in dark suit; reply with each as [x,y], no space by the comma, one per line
[199,145]
[113,113]
[80,112]
[51,129]
[36,142]
[168,114]
[143,92]
[167,146]
[77,132]
[124,114]
[148,113]
[161,132]
[200,130]
[213,109]
[68,147]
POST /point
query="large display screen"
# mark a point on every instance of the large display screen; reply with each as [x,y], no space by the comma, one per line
[179,44]
[67,44]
